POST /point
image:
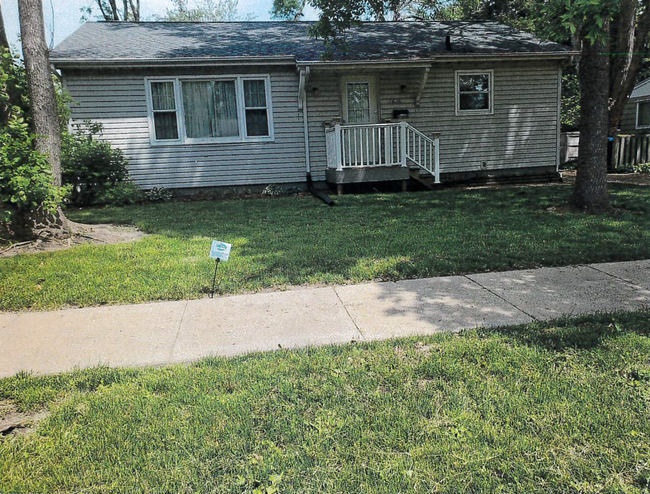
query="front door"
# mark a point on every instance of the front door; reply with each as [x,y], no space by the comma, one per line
[360,100]
[361,145]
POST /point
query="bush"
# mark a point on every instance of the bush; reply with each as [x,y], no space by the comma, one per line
[27,187]
[92,168]
[158,194]
[26,181]
[121,194]
[634,168]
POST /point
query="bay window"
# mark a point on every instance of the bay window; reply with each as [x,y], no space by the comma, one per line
[210,110]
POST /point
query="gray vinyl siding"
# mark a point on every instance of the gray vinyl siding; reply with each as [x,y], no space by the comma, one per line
[118,102]
[522,132]
[628,122]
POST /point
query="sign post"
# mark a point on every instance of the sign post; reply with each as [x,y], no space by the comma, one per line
[219,251]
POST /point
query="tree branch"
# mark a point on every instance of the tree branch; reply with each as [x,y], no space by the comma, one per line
[625,79]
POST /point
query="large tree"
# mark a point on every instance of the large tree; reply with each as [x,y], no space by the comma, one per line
[43,106]
[611,36]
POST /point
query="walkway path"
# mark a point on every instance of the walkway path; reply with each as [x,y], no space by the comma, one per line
[165,332]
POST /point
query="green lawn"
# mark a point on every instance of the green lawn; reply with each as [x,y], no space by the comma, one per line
[298,240]
[543,408]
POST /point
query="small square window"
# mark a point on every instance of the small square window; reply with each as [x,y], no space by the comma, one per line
[473,92]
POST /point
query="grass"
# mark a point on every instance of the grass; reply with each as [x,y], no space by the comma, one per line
[279,242]
[547,407]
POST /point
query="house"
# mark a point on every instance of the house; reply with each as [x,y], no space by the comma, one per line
[242,103]
[636,116]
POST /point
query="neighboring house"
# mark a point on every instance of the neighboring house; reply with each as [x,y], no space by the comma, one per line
[242,103]
[636,116]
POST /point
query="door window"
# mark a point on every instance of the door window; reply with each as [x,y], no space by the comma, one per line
[358,95]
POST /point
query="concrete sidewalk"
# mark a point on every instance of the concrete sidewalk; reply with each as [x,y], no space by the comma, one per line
[166,332]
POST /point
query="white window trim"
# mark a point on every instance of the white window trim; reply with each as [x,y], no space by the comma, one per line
[490,74]
[150,111]
[636,120]
[180,110]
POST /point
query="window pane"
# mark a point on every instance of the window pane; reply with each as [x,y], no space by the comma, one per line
[358,96]
[358,116]
[358,102]
[254,94]
[476,101]
[644,114]
[226,109]
[165,125]
[257,123]
[162,96]
[198,102]
[477,82]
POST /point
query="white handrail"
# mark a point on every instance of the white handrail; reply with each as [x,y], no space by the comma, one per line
[388,144]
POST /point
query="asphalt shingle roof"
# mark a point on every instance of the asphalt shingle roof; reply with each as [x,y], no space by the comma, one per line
[115,41]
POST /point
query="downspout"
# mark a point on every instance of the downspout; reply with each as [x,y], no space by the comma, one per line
[302,105]
[304,77]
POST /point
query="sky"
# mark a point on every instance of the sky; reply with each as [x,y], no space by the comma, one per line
[62,17]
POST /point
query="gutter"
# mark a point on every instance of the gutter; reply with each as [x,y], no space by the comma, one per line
[86,63]
[442,57]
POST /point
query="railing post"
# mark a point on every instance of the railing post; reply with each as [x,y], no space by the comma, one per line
[337,137]
[436,140]
[402,142]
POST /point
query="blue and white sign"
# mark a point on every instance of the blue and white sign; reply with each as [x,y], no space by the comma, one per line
[220,250]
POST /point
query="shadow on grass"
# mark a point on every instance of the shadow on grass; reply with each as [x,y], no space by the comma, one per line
[582,333]
[285,241]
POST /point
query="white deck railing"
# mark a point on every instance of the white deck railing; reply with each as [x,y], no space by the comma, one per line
[388,144]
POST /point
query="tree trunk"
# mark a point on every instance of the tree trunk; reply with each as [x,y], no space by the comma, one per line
[4,43]
[590,193]
[45,119]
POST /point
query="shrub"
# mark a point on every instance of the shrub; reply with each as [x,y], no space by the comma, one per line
[158,194]
[27,187]
[273,190]
[92,168]
[121,194]
[26,180]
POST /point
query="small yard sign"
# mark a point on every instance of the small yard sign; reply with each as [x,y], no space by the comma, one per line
[220,250]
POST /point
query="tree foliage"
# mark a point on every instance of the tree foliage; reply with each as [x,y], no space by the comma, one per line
[26,180]
[202,11]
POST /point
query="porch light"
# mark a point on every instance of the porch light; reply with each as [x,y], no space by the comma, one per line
[402,88]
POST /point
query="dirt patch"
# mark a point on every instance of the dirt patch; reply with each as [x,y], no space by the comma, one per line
[15,422]
[81,234]
[422,348]
[569,177]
